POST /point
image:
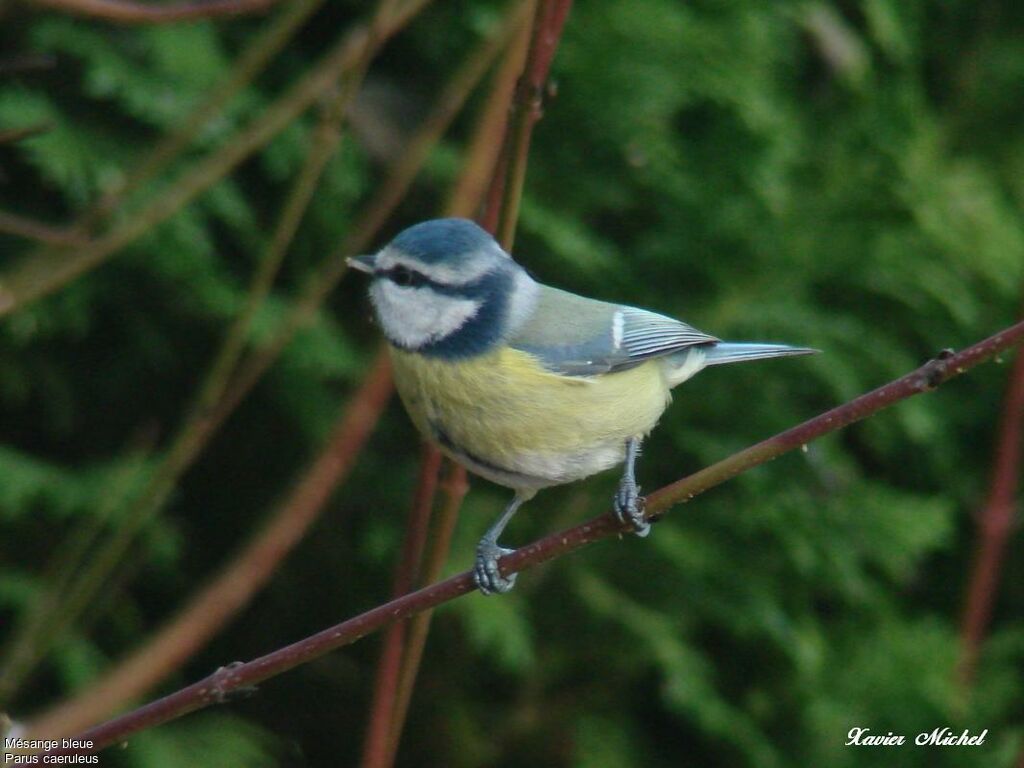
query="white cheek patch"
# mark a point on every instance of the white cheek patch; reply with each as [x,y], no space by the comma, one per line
[414,317]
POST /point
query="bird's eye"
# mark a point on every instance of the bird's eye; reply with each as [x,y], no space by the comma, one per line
[404,277]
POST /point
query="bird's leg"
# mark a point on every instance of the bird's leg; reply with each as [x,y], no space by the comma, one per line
[629,504]
[485,573]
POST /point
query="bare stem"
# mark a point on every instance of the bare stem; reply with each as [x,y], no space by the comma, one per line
[127,12]
[994,524]
[30,229]
[488,137]
[385,689]
[503,207]
[12,135]
[455,489]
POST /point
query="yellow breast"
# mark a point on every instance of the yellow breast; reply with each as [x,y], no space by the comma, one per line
[513,421]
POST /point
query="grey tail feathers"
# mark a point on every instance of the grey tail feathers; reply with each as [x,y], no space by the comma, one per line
[734,352]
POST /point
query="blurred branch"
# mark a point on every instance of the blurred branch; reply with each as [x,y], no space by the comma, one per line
[47,272]
[484,149]
[30,229]
[488,137]
[216,687]
[994,524]
[502,213]
[240,579]
[125,12]
[385,688]
[11,135]
[326,136]
[840,46]
[455,488]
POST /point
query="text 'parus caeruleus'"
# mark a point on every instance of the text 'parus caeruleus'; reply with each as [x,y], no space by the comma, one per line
[524,384]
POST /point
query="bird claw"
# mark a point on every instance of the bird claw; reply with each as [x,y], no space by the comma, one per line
[629,507]
[486,575]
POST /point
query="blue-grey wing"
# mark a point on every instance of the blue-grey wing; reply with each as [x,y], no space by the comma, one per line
[576,336]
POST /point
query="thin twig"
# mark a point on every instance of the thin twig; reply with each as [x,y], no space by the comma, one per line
[385,689]
[240,579]
[502,213]
[455,488]
[215,687]
[484,150]
[249,64]
[12,224]
[325,142]
[126,12]
[11,135]
[994,524]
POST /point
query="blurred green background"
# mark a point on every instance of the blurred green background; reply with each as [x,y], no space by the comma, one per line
[844,175]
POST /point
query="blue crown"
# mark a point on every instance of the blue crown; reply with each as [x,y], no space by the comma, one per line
[441,240]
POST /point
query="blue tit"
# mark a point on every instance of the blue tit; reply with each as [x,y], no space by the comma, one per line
[526,385]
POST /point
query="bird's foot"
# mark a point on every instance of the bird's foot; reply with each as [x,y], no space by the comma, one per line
[486,575]
[629,507]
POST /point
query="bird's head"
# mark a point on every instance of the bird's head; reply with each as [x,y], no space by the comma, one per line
[443,287]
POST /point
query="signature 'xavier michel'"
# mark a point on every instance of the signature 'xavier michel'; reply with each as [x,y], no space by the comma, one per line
[527,385]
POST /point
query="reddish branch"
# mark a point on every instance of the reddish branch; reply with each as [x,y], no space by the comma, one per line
[455,489]
[385,689]
[124,12]
[36,230]
[505,193]
[215,688]
[994,524]
[11,135]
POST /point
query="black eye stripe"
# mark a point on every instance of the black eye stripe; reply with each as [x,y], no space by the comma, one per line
[407,277]
[402,276]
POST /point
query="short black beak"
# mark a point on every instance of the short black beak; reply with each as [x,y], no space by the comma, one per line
[363,263]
